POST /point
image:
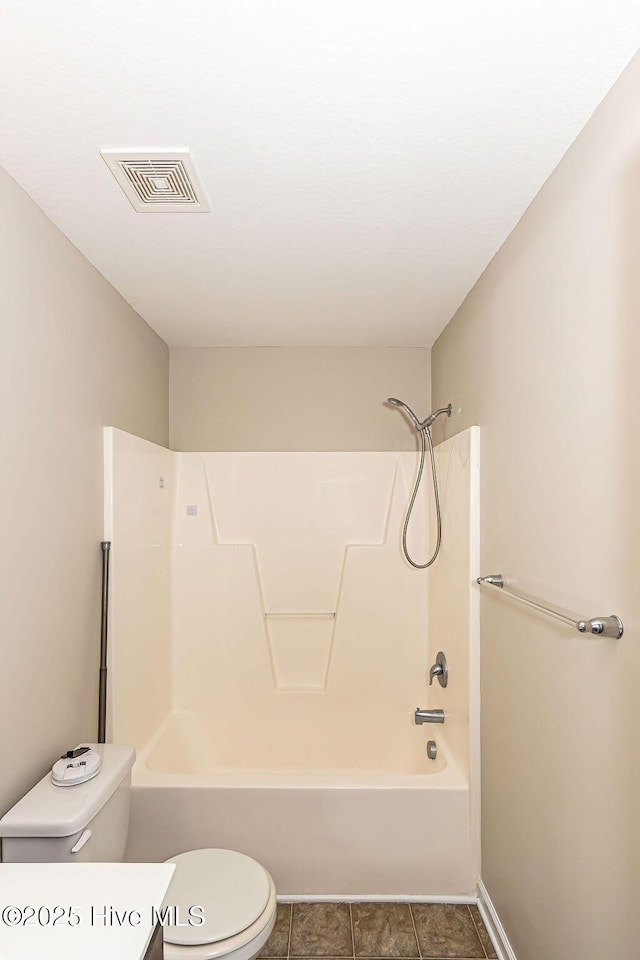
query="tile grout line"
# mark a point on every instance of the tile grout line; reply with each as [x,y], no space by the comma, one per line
[415,930]
[353,939]
[475,927]
[290,929]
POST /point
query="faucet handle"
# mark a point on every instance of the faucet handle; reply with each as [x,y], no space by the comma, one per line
[439,670]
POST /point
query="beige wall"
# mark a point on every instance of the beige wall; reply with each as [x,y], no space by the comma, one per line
[298,398]
[544,355]
[73,357]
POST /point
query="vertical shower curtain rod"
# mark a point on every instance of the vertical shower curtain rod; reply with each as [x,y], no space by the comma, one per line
[104,626]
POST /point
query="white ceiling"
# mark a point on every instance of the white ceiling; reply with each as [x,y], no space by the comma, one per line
[364,159]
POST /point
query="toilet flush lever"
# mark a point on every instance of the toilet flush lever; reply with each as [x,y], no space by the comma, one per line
[439,670]
[82,839]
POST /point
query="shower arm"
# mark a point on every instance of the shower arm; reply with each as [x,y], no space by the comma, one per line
[437,413]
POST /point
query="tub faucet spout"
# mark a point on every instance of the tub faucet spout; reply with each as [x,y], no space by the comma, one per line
[429,716]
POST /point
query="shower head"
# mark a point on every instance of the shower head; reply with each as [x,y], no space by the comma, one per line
[409,412]
[425,424]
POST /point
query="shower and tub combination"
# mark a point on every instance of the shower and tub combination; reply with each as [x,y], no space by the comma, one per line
[269,643]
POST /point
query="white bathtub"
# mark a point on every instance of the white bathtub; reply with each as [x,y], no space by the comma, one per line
[268,645]
[349,830]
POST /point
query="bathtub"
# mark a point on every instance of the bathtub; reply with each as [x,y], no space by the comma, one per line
[383,824]
[268,646]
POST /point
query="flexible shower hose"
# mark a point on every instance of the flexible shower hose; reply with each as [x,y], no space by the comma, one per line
[423,566]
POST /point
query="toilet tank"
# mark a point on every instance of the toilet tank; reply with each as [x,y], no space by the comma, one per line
[73,824]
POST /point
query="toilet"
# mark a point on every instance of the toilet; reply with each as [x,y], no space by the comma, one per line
[89,821]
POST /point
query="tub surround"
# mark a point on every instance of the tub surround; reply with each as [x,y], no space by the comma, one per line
[288,604]
[280,722]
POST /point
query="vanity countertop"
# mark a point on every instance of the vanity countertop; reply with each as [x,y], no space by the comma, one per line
[69,911]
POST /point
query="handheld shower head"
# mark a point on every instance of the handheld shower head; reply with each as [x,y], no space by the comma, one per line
[409,412]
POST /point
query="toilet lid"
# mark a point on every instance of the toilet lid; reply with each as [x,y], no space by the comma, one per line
[231,888]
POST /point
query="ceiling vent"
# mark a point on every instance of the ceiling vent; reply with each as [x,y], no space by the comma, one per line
[158,180]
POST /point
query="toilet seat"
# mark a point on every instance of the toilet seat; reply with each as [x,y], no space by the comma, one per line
[239,900]
[231,888]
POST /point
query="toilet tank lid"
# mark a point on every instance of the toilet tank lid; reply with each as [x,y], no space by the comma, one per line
[52,811]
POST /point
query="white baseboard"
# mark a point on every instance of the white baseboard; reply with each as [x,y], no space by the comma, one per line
[369,898]
[494,927]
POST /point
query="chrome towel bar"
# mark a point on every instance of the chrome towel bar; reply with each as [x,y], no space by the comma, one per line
[600,626]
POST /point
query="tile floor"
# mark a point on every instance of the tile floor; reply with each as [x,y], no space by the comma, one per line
[411,931]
